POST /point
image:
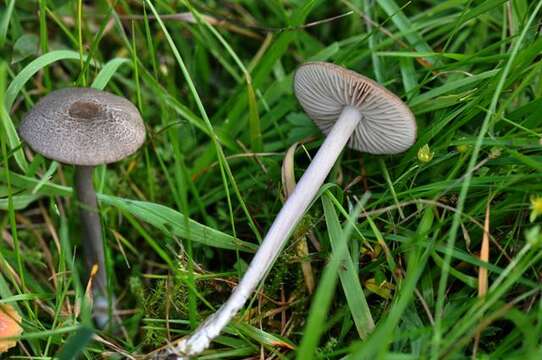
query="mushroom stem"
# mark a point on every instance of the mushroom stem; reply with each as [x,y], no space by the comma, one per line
[280,231]
[92,240]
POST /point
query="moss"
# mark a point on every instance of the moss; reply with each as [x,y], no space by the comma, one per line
[163,299]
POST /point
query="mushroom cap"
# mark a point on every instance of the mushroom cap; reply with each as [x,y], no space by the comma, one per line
[387,125]
[83,126]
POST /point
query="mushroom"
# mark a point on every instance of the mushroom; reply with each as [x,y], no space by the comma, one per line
[348,108]
[85,127]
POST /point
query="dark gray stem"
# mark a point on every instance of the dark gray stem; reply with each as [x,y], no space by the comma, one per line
[92,239]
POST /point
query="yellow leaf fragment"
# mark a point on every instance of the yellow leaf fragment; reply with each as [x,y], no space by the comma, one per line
[10,327]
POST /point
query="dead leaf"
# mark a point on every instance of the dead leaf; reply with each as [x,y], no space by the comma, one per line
[10,327]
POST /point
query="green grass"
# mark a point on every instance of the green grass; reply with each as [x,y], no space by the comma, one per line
[183,215]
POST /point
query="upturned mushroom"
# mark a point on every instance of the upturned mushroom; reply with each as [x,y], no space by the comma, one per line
[85,127]
[350,109]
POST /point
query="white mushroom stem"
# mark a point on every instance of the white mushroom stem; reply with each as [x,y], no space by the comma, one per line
[280,230]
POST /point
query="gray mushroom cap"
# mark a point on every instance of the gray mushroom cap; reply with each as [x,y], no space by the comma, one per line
[83,126]
[387,125]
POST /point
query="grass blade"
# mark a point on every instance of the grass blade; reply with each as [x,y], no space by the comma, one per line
[19,81]
[172,222]
[349,279]
[406,28]
[76,344]
[107,72]
[324,293]
[4,22]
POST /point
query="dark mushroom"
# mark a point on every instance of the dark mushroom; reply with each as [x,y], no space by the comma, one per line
[85,127]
